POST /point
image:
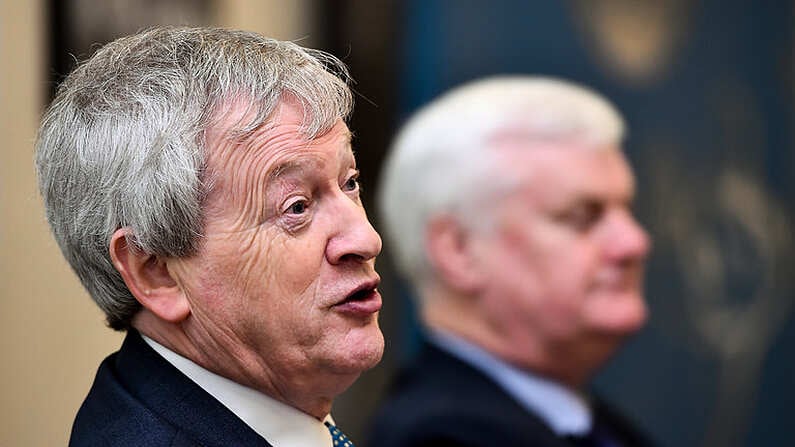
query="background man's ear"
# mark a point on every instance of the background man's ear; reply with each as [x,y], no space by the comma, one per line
[148,279]
[449,245]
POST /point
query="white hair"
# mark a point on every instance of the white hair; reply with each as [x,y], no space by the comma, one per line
[122,144]
[441,160]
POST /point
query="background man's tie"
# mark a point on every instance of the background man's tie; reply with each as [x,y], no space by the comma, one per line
[599,436]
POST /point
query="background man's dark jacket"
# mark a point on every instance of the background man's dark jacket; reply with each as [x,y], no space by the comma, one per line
[441,401]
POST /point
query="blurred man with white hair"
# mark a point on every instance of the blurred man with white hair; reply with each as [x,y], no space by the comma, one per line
[507,203]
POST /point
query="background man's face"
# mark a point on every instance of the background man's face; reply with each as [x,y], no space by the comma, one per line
[285,282]
[566,256]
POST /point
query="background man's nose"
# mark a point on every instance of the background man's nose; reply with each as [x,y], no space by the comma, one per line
[627,240]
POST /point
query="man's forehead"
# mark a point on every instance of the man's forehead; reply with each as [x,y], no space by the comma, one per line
[286,123]
[542,156]
[240,119]
[569,171]
[310,157]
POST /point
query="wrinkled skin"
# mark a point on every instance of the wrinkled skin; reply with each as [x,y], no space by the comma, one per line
[286,240]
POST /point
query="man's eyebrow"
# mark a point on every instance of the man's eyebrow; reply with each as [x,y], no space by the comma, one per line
[347,148]
[590,199]
[301,163]
[348,136]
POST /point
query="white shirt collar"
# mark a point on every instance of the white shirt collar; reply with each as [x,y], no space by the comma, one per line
[280,424]
[566,412]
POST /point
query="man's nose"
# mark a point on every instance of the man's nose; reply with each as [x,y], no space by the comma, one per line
[628,240]
[353,237]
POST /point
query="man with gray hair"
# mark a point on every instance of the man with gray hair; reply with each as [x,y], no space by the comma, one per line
[202,186]
[507,203]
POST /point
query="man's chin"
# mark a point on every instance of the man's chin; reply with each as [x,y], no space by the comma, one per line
[362,350]
[620,316]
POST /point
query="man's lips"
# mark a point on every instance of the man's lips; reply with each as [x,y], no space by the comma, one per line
[620,281]
[361,301]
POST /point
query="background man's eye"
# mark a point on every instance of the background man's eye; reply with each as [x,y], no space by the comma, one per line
[584,217]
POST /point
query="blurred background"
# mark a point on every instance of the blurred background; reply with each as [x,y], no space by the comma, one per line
[708,90]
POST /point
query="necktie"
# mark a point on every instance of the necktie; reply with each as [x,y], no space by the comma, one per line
[338,437]
[597,437]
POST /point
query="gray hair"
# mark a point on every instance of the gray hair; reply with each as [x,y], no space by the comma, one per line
[122,144]
[441,160]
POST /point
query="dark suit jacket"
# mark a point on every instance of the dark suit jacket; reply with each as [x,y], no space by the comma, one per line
[139,399]
[441,401]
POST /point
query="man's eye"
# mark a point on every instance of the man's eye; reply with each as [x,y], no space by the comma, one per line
[585,217]
[352,184]
[298,207]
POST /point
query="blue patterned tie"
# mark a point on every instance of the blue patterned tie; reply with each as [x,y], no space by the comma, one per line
[599,436]
[339,438]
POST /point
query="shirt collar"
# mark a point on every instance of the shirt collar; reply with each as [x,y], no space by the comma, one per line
[280,424]
[566,412]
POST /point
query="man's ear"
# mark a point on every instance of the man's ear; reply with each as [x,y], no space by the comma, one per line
[449,246]
[148,279]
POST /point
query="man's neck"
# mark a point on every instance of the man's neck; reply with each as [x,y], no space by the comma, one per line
[177,339]
[279,423]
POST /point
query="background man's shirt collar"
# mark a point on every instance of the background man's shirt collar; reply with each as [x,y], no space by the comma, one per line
[280,424]
[563,410]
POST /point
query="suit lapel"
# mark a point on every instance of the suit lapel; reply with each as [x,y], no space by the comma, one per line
[489,397]
[171,395]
